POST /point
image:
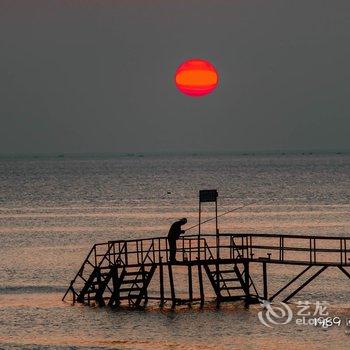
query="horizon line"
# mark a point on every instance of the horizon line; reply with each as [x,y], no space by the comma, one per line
[57,154]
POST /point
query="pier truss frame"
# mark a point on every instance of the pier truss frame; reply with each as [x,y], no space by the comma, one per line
[121,271]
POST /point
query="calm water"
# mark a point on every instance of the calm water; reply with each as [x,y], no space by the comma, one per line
[53,210]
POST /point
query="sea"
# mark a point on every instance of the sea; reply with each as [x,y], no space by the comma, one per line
[53,208]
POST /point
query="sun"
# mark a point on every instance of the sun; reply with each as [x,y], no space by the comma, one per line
[196,77]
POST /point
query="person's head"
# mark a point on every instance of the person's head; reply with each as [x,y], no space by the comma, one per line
[183,221]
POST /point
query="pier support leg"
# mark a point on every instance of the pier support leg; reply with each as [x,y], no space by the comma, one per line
[161,283]
[144,283]
[172,288]
[114,301]
[99,294]
[265,280]
[200,281]
[190,287]
[247,284]
[217,282]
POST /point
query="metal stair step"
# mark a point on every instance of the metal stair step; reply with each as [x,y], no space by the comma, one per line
[132,281]
[230,288]
[135,273]
[229,280]
[227,271]
[128,297]
[129,289]
[233,298]
[93,284]
[222,271]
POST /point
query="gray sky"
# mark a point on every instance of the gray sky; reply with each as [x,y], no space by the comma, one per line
[96,76]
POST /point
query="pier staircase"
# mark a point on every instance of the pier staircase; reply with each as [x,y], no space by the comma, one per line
[227,279]
[229,283]
[106,278]
[129,283]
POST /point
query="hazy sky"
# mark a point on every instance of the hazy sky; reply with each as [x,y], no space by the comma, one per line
[96,76]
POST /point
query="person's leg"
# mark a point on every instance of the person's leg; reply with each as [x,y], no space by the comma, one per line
[172,249]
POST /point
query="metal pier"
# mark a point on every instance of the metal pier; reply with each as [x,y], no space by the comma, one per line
[120,272]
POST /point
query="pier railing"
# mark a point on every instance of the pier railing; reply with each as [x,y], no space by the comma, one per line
[153,250]
[287,249]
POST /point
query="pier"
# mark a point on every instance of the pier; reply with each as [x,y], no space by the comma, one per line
[119,272]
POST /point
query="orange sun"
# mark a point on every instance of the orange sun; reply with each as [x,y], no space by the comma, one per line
[196,77]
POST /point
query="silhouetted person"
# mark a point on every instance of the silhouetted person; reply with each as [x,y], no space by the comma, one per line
[174,234]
